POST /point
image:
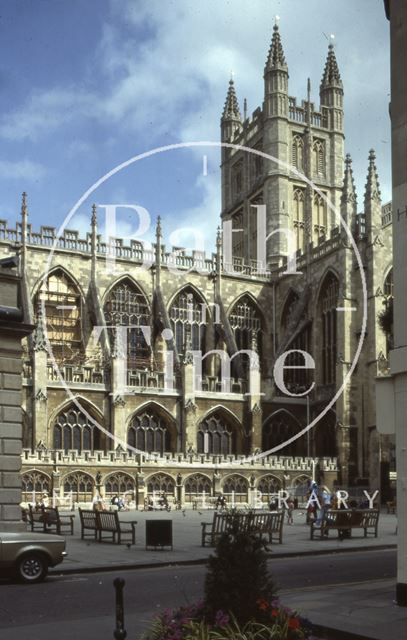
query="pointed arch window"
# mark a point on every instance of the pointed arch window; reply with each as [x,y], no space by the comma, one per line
[297,152]
[319,218]
[34,482]
[237,238]
[188,320]
[236,487]
[297,379]
[126,306]
[245,322]
[63,310]
[197,485]
[327,305]
[388,288]
[280,428]
[73,430]
[80,485]
[149,432]
[159,483]
[215,435]
[386,316]
[318,157]
[298,217]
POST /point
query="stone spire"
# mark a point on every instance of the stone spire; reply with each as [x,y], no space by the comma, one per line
[348,197]
[158,236]
[231,109]
[331,94]
[39,342]
[372,188]
[276,80]
[24,231]
[331,77]
[94,240]
[349,191]
[373,203]
[276,58]
[218,285]
[231,121]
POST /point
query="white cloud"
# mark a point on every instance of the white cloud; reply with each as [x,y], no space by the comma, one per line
[24,170]
[163,68]
[46,111]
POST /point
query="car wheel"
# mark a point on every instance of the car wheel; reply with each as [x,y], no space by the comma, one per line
[32,567]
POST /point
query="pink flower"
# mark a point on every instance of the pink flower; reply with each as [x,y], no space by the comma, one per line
[221,619]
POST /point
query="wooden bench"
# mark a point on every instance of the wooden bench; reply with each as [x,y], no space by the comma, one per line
[100,522]
[346,520]
[48,520]
[108,522]
[262,524]
[88,523]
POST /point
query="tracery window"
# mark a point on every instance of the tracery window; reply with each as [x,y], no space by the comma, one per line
[188,319]
[236,487]
[119,483]
[387,315]
[196,485]
[388,288]
[215,435]
[237,178]
[159,483]
[269,486]
[298,218]
[73,430]
[80,485]
[237,237]
[296,379]
[297,152]
[328,304]
[257,162]
[63,311]
[319,218]
[34,482]
[318,157]
[148,432]
[245,322]
[279,428]
[127,306]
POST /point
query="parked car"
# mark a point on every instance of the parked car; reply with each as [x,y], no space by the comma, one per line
[28,555]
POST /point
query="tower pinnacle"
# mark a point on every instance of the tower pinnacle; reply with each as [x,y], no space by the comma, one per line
[276,58]
[349,191]
[372,189]
[231,109]
[331,76]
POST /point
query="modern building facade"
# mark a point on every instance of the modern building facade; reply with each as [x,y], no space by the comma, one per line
[167,421]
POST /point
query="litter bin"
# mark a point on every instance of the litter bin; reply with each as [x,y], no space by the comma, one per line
[158,533]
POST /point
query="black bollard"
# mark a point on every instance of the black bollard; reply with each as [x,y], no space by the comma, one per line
[120,632]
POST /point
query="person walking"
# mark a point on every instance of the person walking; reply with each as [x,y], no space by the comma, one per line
[290,510]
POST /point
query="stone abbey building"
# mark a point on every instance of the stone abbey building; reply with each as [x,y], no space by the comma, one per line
[164,421]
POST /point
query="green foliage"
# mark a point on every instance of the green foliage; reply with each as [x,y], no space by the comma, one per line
[237,576]
[385,318]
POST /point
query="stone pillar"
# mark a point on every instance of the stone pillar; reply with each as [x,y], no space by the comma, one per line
[189,421]
[398,357]
[13,327]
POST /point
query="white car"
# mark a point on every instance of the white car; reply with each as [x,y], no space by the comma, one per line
[28,555]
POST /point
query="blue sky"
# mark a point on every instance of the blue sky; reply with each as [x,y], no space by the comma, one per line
[85,85]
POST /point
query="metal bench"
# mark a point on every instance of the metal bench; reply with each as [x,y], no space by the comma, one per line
[262,524]
[346,520]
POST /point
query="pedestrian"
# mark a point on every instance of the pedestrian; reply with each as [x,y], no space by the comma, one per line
[290,510]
